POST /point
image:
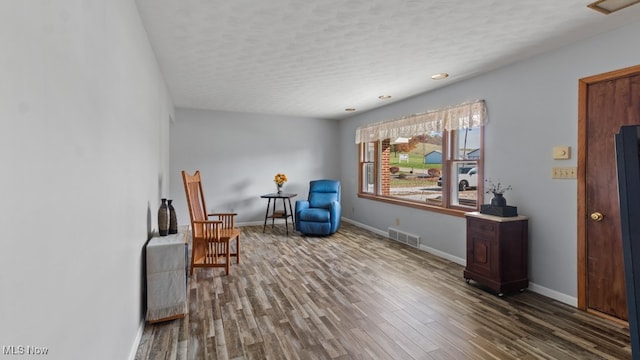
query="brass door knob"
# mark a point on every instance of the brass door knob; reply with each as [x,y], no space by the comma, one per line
[596,216]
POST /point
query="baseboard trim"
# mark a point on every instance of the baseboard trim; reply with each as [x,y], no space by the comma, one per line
[366,227]
[555,295]
[444,255]
[136,341]
[250,223]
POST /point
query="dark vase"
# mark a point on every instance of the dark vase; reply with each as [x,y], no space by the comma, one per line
[163,218]
[173,220]
[498,200]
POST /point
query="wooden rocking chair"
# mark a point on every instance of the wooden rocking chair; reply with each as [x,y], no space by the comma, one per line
[211,239]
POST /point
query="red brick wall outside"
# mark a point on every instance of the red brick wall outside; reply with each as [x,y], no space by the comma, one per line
[384,161]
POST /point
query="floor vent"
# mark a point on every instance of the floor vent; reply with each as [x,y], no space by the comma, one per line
[403,237]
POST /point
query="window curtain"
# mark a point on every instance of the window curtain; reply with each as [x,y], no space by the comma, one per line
[467,115]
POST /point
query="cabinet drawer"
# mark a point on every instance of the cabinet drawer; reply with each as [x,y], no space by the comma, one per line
[481,227]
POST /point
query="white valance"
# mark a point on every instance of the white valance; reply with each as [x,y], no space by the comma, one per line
[467,115]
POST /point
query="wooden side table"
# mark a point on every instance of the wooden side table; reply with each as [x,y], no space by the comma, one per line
[280,214]
[497,252]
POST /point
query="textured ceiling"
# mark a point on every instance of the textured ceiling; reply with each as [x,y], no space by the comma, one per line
[316,58]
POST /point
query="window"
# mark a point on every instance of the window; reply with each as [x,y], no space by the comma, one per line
[431,160]
[368,167]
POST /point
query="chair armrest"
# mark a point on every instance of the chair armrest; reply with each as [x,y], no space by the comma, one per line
[214,223]
[335,211]
[222,214]
[300,206]
[228,219]
[206,221]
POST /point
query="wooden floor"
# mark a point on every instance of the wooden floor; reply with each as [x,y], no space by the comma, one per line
[357,295]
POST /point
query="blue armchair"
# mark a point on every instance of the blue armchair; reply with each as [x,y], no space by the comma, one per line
[320,213]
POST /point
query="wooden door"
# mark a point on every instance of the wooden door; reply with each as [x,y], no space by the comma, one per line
[607,102]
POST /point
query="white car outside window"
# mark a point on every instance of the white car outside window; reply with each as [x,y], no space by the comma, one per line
[468,180]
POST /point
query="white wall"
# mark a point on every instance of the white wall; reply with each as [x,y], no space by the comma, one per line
[84,148]
[238,154]
[84,135]
[532,107]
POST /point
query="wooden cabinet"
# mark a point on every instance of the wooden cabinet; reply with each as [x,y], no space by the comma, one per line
[497,252]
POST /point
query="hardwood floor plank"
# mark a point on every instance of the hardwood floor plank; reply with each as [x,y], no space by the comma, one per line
[333,348]
[273,348]
[408,331]
[219,345]
[452,342]
[357,295]
[413,349]
[231,325]
[255,352]
[371,347]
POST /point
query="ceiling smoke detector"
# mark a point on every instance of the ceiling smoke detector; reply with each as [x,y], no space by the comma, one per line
[609,6]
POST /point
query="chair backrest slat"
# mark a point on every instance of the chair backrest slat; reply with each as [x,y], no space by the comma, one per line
[195,200]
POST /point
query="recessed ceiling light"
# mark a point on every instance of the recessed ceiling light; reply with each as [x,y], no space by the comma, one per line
[609,6]
[384,97]
[442,75]
[350,109]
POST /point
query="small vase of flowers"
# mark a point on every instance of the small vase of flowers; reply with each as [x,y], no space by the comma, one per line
[280,179]
[498,190]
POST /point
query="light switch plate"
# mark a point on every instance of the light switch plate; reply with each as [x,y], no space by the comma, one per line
[561,152]
[564,172]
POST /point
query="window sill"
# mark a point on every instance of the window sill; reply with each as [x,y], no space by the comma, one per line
[416,205]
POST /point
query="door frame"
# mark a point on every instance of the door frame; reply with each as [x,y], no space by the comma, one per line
[583,215]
